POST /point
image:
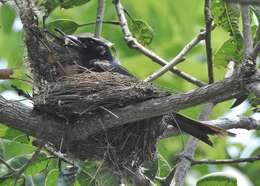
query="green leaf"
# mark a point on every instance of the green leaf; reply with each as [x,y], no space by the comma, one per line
[7,182]
[10,182]
[16,135]
[153,169]
[34,168]
[217,179]
[164,166]
[38,165]
[72,3]
[226,15]
[16,163]
[48,5]
[7,17]
[228,51]
[13,148]
[52,178]
[256,10]
[66,25]
[141,31]
[253,100]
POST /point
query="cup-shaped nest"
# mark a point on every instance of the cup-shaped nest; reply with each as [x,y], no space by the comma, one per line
[82,95]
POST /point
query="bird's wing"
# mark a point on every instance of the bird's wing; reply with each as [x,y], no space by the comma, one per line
[111,67]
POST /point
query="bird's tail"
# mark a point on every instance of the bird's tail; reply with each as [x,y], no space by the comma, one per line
[195,128]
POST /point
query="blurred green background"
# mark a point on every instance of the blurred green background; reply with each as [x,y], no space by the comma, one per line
[175,23]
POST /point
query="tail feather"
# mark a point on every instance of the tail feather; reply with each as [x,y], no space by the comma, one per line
[195,128]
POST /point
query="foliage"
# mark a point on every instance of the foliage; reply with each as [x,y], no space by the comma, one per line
[215,179]
[166,27]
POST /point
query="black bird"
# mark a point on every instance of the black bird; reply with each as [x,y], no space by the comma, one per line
[96,55]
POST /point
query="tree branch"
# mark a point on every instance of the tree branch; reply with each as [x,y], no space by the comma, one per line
[256,50]
[18,173]
[42,126]
[29,121]
[215,92]
[133,43]
[177,58]
[245,2]
[184,164]
[225,161]
[208,21]
[99,19]
[247,34]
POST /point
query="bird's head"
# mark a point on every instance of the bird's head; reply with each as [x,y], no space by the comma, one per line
[91,48]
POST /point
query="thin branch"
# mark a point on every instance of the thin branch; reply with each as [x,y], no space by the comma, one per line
[133,43]
[7,165]
[230,69]
[99,18]
[208,21]
[176,59]
[249,64]
[6,73]
[225,161]
[184,164]
[245,2]
[255,51]
[18,173]
[104,22]
[247,33]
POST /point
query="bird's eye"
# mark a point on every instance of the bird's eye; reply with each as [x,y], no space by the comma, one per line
[101,50]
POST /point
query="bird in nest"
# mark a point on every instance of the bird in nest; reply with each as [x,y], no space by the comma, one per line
[97,55]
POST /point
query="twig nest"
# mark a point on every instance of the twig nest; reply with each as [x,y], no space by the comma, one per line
[82,95]
[86,93]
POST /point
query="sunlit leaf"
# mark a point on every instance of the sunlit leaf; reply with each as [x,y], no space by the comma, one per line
[13,148]
[141,31]
[226,15]
[47,5]
[228,51]
[256,10]
[164,166]
[38,165]
[217,179]
[65,25]
[7,17]
[72,3]
[2,149]
[15,135]
[50,5]
[52,178]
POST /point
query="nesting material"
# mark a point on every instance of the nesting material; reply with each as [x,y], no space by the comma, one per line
[82,95]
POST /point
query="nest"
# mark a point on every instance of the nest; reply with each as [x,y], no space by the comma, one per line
[82,95]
